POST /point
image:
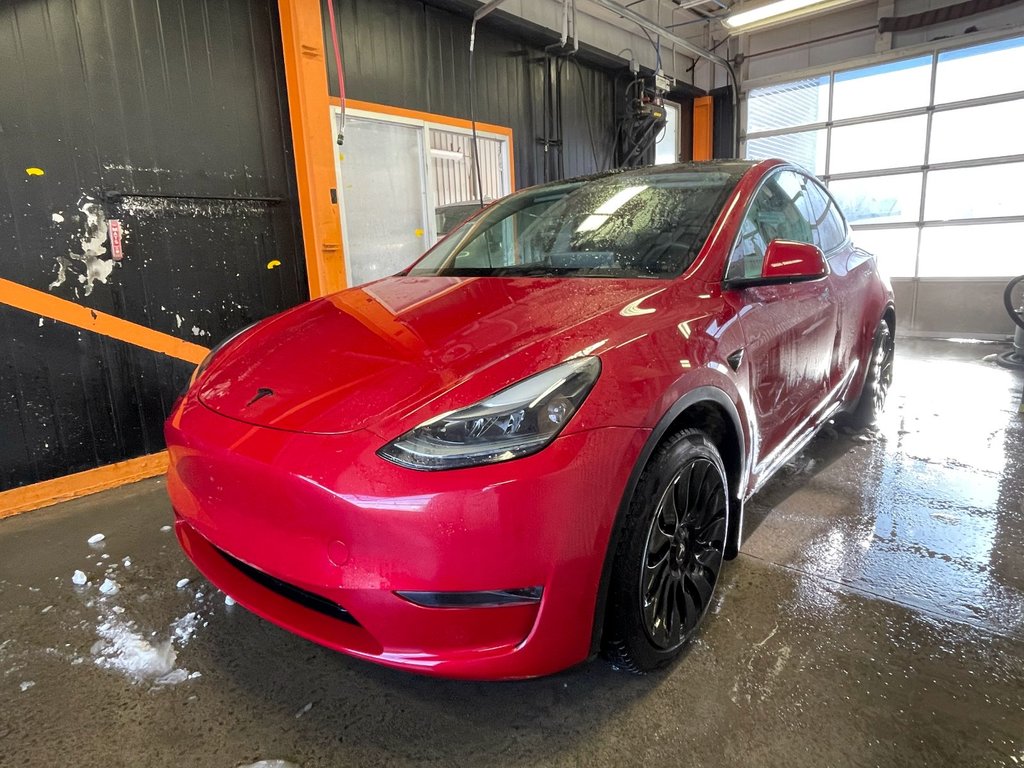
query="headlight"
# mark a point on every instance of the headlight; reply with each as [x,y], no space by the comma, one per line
[213,353]
[514,422]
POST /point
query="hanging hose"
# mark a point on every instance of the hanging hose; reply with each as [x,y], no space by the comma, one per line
[1016,313]
[339,70]
[472,116]
[1015,357]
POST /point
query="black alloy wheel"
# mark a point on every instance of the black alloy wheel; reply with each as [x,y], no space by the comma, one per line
[669,554]
[881,371]
[877,382]
[683,554]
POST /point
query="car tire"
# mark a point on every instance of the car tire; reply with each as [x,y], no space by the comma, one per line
[879,378]
[669,554]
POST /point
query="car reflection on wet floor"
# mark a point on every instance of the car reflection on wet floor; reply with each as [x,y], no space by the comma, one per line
[924,510]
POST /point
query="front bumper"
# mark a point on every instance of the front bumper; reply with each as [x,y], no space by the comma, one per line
[325,515]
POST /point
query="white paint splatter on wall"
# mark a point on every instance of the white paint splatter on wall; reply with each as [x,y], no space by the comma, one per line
[92,243]
[62,272]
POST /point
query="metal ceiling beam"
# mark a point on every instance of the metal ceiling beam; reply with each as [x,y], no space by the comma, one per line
[686,45]
[657,29]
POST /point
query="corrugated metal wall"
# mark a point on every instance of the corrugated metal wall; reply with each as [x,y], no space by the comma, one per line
[409,54]
[455,179]
[176,102]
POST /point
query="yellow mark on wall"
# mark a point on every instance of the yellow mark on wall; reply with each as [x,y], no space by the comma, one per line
[419,233]
[273,263]
[33,171]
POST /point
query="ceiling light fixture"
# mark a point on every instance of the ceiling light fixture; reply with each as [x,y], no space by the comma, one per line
[747,17]
[448,154]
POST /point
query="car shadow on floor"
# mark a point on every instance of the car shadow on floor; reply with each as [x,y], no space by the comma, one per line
[412,717]
[830,445]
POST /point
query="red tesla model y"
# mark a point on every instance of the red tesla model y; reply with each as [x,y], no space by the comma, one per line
[536,442]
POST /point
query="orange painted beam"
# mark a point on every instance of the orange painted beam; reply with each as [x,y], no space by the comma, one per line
[46,305]
[68,487]
[703,128]
[313,141]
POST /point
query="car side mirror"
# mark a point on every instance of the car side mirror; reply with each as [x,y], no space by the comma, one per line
[787,261]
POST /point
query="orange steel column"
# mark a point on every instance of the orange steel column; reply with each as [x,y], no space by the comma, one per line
[309,109]
[703,126]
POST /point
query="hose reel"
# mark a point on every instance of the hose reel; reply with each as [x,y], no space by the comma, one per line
[1015,309]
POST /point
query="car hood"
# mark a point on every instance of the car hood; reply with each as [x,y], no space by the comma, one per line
[365,355]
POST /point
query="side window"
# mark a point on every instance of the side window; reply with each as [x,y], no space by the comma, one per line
[778,212]
[502,244]
[492,249]
[748,253]
[828,224]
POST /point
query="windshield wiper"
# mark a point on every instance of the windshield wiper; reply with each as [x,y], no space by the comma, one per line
[532,271]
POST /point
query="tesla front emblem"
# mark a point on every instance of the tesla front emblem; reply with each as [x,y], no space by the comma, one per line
[260,394]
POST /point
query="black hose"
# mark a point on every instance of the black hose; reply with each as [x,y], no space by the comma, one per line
[559,62]
[586,111]
[1014,312]
[476,140]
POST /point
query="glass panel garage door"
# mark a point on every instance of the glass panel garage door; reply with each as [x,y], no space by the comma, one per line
[900,142]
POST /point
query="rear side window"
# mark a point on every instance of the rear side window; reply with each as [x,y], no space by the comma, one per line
[829,228]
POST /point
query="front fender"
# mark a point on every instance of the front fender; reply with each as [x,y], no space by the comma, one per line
[694,395]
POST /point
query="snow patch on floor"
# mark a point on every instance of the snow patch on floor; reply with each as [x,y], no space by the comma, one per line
[270,764]
[183,628]
[96,538]
[122,649]
[144,659]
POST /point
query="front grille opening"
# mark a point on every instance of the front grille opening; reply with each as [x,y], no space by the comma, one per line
[298,595]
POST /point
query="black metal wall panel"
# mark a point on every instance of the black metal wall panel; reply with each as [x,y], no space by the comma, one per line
[723,132]
[71,399]
[170,117]
[408,54]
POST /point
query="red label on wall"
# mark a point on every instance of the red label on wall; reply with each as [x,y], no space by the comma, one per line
[114,230]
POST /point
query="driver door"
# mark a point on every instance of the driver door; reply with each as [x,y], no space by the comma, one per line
[789,329]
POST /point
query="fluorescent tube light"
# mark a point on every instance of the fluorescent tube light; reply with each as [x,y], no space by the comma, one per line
[448,154]
[769,11]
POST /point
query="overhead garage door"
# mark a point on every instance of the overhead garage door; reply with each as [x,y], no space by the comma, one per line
[924,156]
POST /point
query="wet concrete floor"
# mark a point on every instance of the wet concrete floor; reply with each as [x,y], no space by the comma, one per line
[875,618]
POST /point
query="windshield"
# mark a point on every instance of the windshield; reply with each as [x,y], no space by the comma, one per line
[626,225]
